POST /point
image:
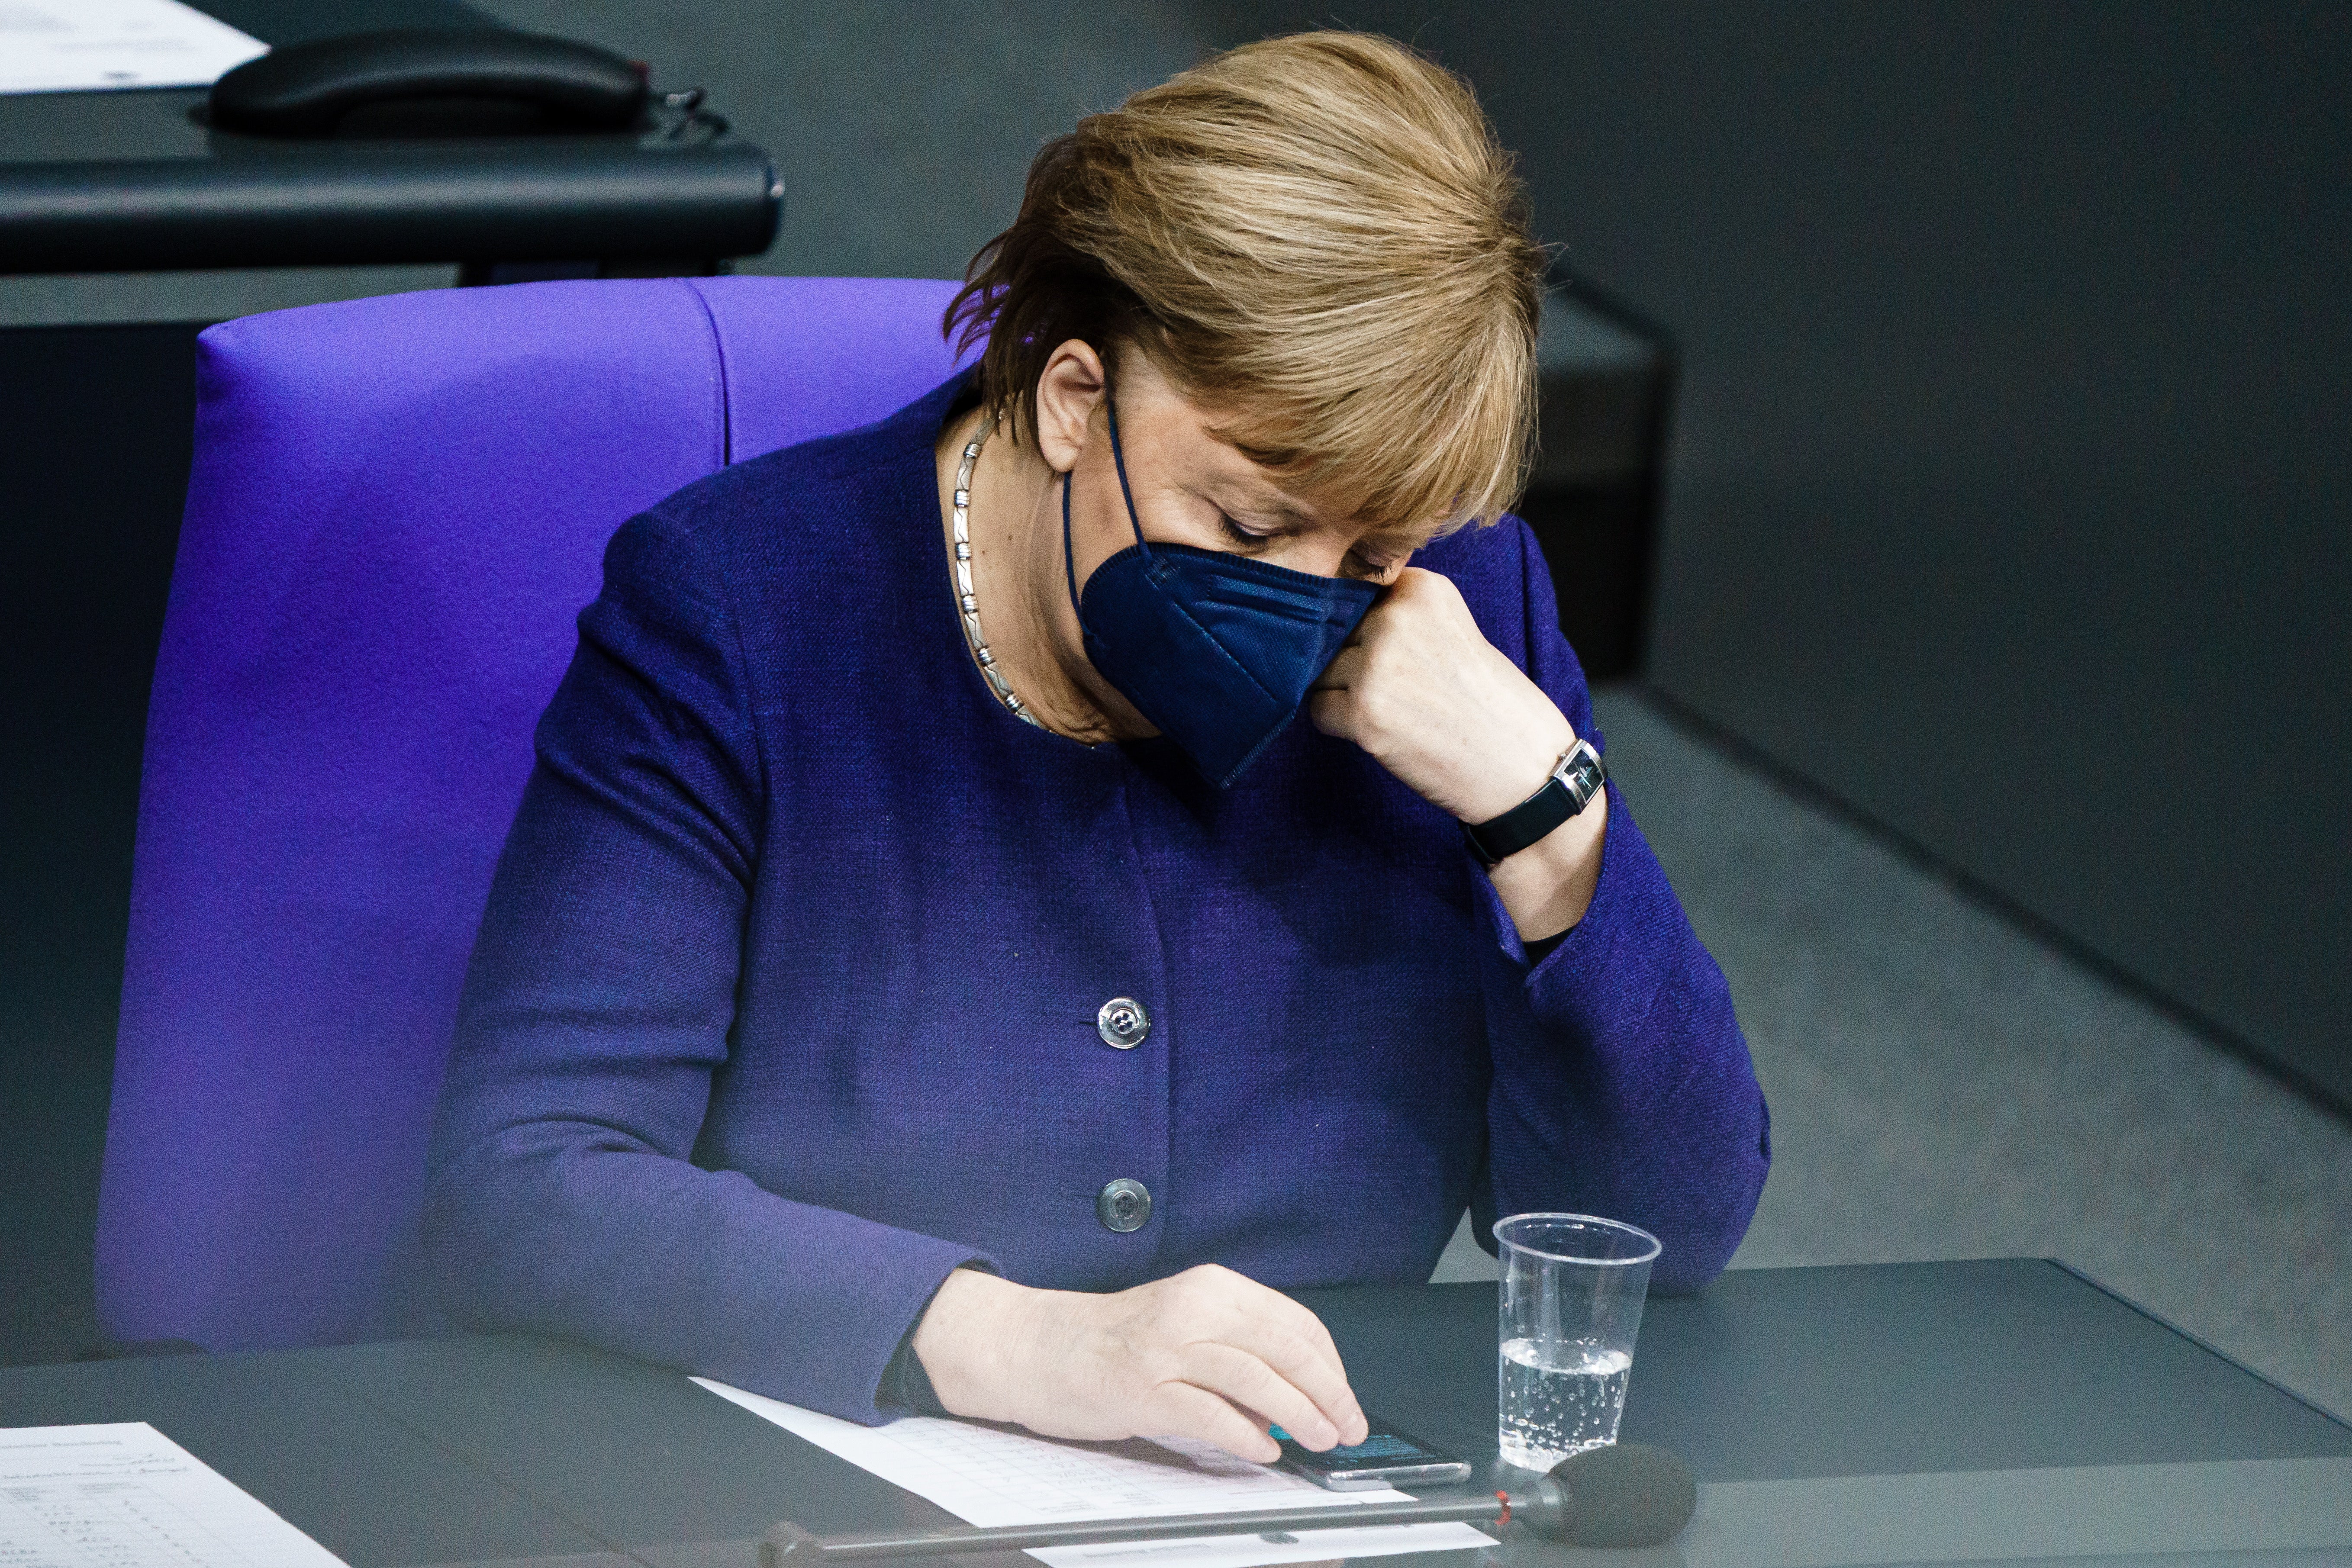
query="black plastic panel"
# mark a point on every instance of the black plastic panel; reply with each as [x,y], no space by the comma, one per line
[531,199]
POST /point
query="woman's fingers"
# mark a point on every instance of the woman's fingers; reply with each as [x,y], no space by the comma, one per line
[1247,1381]
[1292,1350]
[1305,1355]
[1327,712]
[1302,1358]
[1344,670]
[1332,700]
[1188,1410]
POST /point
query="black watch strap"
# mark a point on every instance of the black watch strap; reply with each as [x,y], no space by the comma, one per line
[1570,788]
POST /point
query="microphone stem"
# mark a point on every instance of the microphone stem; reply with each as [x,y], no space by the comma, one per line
[1482,1507]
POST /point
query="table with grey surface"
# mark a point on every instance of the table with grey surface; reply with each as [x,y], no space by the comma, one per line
[1998,1410]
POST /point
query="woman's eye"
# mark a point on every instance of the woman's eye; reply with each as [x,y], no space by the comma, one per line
[1237,533]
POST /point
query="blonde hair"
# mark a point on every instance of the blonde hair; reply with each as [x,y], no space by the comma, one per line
[1316,236]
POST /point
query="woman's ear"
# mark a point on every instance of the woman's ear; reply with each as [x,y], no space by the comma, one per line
[1069,389]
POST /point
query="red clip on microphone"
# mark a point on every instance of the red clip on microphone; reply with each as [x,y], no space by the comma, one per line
[1625,1494]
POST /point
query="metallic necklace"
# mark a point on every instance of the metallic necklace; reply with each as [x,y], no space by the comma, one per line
[960,521]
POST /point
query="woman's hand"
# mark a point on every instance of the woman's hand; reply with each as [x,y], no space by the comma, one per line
[1435,703]
[1421,689]
[1207,1353]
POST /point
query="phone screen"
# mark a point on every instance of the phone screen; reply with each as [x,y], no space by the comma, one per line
[1386,1455]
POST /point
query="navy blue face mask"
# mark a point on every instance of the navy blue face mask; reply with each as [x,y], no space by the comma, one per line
[1216,650]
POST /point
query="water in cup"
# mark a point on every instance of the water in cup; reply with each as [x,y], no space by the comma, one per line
[1559,1400]
[1570,1299]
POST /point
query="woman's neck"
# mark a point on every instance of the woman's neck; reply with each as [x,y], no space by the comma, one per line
[1015,523]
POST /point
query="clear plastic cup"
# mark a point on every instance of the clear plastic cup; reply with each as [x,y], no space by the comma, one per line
[1572,1288]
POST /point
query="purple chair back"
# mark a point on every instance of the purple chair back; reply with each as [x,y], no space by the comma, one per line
[398,506]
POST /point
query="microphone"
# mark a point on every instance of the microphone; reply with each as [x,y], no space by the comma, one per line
[1622,1494]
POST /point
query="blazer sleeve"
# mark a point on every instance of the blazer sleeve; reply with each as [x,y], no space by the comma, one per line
[563,1197]
[1622,1084]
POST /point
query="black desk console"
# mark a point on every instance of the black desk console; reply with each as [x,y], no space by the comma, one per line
[137,181]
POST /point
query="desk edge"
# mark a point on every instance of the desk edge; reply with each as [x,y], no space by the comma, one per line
[2202,1343]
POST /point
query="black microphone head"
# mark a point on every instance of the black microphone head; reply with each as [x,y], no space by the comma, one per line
[1625,1494]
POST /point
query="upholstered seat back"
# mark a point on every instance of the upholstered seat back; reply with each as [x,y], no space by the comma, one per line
[397,508]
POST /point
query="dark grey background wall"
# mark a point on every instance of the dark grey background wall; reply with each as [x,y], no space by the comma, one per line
[2010,501]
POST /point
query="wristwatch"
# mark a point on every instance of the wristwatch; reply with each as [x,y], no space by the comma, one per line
[1573,783]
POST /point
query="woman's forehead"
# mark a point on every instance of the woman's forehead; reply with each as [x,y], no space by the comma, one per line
[1246,487]
[1214,445]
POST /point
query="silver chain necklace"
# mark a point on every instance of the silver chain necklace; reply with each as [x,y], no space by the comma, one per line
[960,518]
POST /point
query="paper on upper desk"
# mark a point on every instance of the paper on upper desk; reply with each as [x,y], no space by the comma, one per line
[82,46]
[125,1496]
[985,1475]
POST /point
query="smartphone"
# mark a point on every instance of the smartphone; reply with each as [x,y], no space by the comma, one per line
[1388,1456]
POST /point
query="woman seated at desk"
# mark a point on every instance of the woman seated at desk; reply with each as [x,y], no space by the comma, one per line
[929,968]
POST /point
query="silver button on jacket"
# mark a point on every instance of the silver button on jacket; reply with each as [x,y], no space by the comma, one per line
[1124,1204]
[1122,1023]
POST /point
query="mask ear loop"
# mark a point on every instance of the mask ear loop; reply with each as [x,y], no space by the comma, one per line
[1118,457]
[1069,571]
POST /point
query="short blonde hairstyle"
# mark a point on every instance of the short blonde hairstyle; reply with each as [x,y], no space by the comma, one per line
[1317,236]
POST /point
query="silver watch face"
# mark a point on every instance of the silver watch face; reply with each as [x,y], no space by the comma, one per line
[1582,776]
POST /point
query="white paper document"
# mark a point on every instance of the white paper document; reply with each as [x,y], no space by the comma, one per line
[125,1496]
[985,1475]
[80,45]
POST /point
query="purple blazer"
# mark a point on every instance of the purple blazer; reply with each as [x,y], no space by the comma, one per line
[785,1001]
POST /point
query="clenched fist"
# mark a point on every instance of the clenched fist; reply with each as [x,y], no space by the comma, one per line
[1421,689]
